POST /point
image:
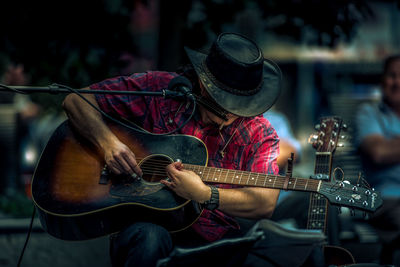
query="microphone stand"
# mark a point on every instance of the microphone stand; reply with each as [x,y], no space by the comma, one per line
[56,89]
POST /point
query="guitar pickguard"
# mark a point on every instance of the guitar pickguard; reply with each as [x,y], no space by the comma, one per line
[126,190]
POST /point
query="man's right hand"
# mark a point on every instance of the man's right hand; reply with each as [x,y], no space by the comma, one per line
[88,121]
[120,159]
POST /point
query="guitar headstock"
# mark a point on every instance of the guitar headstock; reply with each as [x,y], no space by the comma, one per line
[328,135]
[342,193]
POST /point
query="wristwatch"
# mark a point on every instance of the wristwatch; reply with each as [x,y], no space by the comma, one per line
[213,202]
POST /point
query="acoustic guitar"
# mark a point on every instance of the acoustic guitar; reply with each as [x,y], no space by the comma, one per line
[325,143]
[78,199]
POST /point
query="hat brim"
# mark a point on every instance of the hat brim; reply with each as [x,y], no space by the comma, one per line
[241,105]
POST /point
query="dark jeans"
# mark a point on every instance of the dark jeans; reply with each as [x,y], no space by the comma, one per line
[140,244]
[143,244]
[386,221]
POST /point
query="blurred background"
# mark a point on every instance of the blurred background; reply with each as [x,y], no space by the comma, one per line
[330,53]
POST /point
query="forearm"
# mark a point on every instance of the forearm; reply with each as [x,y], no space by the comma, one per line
[249,202]
[88,121]
[382,151]
[390,152]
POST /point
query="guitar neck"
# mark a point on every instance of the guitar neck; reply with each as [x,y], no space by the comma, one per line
[236,177]
[318,208]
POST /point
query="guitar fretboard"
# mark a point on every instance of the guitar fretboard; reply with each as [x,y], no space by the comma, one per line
[317,212]
[227,176]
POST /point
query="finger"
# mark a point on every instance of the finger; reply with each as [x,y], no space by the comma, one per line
[172,168]
[121,164]
[133,165]
[113,168]
[168,184]
[171,178]
[179,166]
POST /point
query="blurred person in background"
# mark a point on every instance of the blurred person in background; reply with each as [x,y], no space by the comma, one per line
[378,139]
[288,143]
[18,114]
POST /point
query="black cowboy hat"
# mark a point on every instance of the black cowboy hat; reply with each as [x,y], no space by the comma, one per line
[236,75]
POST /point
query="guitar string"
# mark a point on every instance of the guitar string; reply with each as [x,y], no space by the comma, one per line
[161,171]
[320,203]
[158,168]
[279,183]
[314,209]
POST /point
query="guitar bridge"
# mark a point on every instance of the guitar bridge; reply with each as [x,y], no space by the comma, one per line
[104,176]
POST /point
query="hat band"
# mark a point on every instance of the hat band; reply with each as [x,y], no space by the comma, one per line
[228,88]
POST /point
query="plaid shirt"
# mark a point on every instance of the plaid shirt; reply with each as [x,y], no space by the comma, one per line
[253,147]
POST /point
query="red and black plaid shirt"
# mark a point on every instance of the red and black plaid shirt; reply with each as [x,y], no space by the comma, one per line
[254,146]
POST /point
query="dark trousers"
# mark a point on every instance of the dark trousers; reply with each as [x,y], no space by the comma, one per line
[140,244]
[143,244]
[386,221]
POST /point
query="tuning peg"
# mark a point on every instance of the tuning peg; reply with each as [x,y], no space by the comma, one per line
[340,145]
[313,138]
[317,127]
[344,126]
[343,137]
[323,125]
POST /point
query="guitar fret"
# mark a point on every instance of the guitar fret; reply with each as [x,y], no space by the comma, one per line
[212,174]
[236,176]
[206,175]
[295,181]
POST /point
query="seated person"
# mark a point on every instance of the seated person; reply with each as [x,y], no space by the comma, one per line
[378,139]
[288,143]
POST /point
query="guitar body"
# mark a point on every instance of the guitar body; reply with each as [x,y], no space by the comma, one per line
[76,199]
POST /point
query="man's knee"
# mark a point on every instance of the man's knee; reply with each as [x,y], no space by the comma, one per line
[139,241]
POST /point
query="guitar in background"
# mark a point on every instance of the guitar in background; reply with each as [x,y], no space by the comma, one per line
[325,143]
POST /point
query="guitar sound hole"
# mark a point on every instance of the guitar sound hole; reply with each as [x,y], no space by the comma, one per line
[153,168]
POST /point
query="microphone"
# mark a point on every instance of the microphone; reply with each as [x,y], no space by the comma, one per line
[183,85]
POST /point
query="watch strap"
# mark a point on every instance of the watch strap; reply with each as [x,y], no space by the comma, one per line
[213,202]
